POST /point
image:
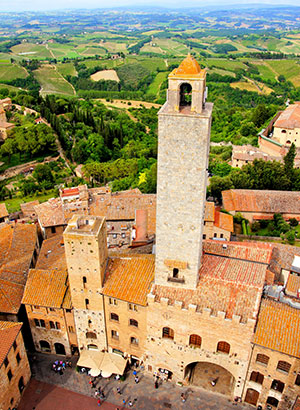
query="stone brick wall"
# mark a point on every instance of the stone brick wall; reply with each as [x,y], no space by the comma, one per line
[183,149]
[176,354]
[10,394]
[287,397]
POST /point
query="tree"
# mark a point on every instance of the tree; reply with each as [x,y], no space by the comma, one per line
[290,237]
[260,115]
[42,172]
[8,148]
[289,161]
[219,184]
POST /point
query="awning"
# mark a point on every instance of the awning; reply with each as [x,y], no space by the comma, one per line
[106,363]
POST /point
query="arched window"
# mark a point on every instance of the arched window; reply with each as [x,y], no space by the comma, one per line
[114,316]
[167,333]
[84,281]
[195,341]
[252,397]
[223,347]
[92,347]
[21,384]
[175,273]
[257,377]
[271,400]
[277,385]
[87,302]
[288,142]
[133,322]
[283,366]
[283,131]
[45,346]
[91,335]
[185,95]
[262,359]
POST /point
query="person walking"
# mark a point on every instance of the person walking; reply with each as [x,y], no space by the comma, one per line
[119,390]
[136,379]
[156,384]
[183,398]
[99,402]
[130,404]
[134,372]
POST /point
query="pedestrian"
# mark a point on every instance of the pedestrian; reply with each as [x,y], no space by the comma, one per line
[136,379]
[119,390]
[136,364]
[130,403]
[102,395]
[156,384]
[134,372]
[69,364]
[117,377]
[64,365]
[124,402]
[214,381]
[99,402]
[183,398]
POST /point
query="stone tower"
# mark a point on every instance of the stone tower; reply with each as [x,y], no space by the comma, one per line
[184,124]
[86,255]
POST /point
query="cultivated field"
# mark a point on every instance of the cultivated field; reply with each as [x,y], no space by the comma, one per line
[105,75]
[128,104]
[11,72]
[52,81]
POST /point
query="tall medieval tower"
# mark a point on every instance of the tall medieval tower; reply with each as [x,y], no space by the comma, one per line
[86,254]
[184,124]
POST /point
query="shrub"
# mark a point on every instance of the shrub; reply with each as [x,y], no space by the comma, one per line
[293,222]
[290,237]
[255,226]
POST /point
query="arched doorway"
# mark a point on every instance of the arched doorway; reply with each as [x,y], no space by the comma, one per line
[45,346]
[59,348]
[252,397]
[185,95]
[211,377]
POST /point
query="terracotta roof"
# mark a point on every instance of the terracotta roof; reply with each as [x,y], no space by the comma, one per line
[69,192]
[8,334]
[292,285]
[248,200]
[189,66]
[249,251]
[278,328]
[51,213]
[290,117]
[17,244]
[129,278]
[3,210]
[52,254]
[27,208]
[224,221]
[228,285]
[45,288]
[282,257]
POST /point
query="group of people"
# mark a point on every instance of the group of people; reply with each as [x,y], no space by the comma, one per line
[60,365]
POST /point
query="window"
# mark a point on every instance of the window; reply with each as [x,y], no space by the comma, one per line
[87,302]
[36,307]
[9,375]
[195,341]
[115,335]
[283,366]
[15,345]
[262,359]
[52,310]
[114,316]
[39,323]
[131,306]
[133,322]
[204,236]
[271,400]
[45,347]
[112,301]
[68,310]
[54,325]
[215,235]
[18,357]
[91,335]
[221,235]
[185,95]
[277,385]
[84,281]
[257,377]
[175,273]
[53,230]
[167,333]
[134,341]
[297,381]
[223,347]
[6,362]
[71,329]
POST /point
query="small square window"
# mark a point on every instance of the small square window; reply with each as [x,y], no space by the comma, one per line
[6,362]
[9,375]
[18,357]
[15,345]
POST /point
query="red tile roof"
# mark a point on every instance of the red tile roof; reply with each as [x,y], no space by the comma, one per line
[209,211]
[290,117]
[248,200]
[45,288]
[224,221]
[8,334]
[17,244]
[278,328]
[3,210]
[225,284]
[52,254]
[69,192]
[51,213]
[129,278]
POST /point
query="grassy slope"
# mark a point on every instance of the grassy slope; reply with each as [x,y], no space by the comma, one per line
[52,82]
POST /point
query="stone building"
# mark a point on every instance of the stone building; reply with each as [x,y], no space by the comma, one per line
[256,204]
[3,213]
[14,367]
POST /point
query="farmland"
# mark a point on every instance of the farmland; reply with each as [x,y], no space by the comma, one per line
[52,82]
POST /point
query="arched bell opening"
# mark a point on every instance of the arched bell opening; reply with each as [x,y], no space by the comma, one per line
[185,95]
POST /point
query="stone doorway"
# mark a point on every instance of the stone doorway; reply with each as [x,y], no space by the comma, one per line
[211,377]
[59,348]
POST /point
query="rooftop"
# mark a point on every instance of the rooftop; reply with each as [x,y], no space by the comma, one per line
[51,213]
[87,225]
[3,210]
[46,288]
[290,117]
[278,328]
[223,221]
[17,244]
[52,254]
[8,334]
[188,67]
[129,278]
[225,284]
[249,200]
[27,208]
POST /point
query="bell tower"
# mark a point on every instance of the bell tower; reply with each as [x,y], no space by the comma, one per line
[184,124]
